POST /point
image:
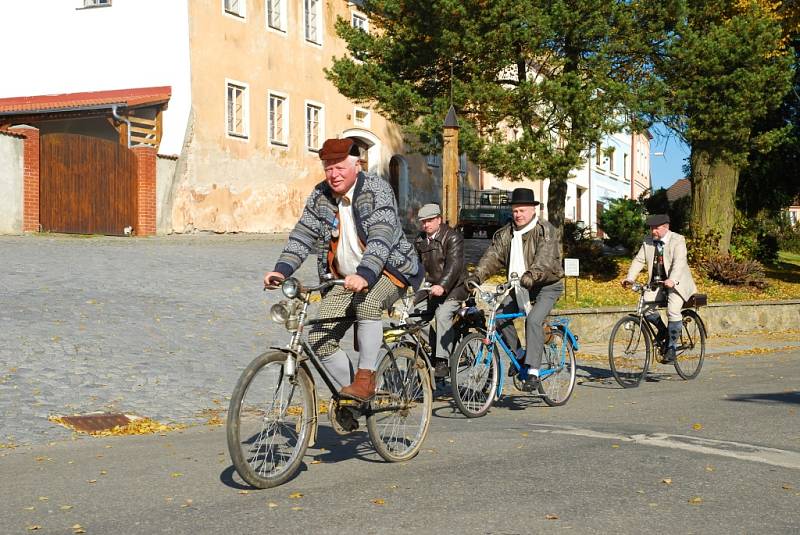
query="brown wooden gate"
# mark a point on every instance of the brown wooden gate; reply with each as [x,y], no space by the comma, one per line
[87,185]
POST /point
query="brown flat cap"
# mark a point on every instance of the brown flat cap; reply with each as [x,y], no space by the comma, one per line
[336,149]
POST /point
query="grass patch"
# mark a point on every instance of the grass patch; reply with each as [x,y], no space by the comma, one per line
[593,292]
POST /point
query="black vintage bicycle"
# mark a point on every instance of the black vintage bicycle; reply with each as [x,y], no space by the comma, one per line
[274,413]
[634,344]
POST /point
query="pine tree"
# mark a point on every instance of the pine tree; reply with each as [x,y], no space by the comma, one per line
[535,83]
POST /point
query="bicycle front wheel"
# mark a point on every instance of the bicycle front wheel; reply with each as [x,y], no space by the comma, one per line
[269,421]
[629,352]
[556,386]
[474,375]
[691,347]
[400,413]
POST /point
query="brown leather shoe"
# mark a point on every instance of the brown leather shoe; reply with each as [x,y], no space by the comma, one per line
[363,386]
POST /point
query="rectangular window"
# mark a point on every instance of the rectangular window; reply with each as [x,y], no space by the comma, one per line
[312,18]
[360,21]
[234,7]
[314,127]
[611,160]
[361,117]
[434,160]
[278,120]
[276,15]
[598,156]
[236,110]
[625,166]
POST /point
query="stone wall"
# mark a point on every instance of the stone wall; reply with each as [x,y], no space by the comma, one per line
[594,325]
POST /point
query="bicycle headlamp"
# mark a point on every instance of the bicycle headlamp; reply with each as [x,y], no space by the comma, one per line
[279,312]
[291,287]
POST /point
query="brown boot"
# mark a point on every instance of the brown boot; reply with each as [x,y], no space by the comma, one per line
[363,386]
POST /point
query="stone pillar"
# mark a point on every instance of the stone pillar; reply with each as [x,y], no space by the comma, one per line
[145,191]
[30,180]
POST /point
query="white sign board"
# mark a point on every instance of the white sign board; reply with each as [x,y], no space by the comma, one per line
[571,267]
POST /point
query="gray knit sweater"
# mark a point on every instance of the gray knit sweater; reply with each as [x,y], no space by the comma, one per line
[377,224]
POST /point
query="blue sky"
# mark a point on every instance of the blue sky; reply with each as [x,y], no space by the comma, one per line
[668,154]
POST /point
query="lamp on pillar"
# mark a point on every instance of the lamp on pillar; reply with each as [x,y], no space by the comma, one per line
[450,168]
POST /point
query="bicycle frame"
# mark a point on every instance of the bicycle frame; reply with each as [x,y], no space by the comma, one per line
[495,338]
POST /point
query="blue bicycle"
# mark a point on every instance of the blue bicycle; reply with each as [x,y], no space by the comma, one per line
[477,372]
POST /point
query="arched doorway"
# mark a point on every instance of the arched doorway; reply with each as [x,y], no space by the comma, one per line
[370,149]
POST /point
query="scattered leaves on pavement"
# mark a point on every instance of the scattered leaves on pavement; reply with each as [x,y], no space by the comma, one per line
[296,495]
[379,501]
[695,500]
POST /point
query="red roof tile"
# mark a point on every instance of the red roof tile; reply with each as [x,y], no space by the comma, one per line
[681,188]
[124,97]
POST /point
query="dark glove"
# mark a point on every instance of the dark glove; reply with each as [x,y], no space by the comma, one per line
[527,280]
[470,280]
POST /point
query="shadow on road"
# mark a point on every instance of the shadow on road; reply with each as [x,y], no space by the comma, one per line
[774,397]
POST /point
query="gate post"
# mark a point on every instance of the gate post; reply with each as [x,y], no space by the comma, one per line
[30,179]
[145,190]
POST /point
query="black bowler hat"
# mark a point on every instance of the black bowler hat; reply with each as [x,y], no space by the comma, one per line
[523,196]
[656,220]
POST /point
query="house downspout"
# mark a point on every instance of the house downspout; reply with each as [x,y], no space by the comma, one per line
[119,117]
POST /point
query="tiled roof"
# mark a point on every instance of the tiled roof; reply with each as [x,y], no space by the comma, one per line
[681,188]
[76,101]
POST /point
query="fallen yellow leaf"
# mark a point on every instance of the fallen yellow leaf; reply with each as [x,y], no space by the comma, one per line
[77,528]
[296,495]
[65,507]
[91,481]
[35,527]
[379,501]
[30,508]
[787,486]
[272,504]
[667,481]
[697,427]
[550,516]
[696,500]
[244,492]
[296,508]
[43,498]
[176,474]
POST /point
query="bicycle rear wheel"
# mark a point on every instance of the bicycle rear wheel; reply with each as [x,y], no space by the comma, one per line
[474,375]
[692,346]
[629,352]
[400,413]
[556,387]
[269,421]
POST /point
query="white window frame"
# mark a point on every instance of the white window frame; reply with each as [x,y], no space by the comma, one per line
[367,119]
[240,15]
[364,21]
[90,4]
[281,143]
[320,125]
[320,26]
[283,16]
[245,135]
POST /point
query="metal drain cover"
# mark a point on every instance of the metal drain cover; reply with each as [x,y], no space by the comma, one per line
[93,423]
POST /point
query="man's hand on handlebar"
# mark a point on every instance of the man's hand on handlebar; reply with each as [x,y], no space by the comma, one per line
[355,283]
[273,280]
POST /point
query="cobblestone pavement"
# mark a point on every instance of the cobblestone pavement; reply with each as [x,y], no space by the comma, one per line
[158,327]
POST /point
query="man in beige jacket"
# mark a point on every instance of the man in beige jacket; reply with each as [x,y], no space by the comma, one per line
[664,254]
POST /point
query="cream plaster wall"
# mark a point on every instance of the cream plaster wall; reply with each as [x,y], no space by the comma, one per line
[246,185]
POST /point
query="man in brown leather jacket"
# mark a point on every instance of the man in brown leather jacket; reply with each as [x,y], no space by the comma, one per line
[441,250]
[529,247]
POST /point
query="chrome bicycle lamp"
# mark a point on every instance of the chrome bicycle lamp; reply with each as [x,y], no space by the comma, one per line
[279,312]
[291,287]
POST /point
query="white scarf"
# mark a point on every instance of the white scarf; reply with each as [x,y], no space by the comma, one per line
[516,264]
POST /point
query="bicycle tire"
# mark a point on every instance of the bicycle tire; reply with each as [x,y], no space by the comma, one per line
[269,421]
[629,350]
[473,385]
[403,380]
[688,356]
[556,388]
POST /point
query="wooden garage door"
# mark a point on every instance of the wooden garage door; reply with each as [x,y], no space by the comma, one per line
[87,185]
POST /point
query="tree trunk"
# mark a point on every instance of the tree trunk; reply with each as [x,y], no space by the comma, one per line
[556,199]
[714,184]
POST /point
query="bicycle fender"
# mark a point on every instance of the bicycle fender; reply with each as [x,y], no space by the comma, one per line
[312,438]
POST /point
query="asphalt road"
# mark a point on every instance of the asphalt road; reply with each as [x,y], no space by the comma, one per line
[720,454]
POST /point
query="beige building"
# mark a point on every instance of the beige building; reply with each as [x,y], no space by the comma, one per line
[261,109]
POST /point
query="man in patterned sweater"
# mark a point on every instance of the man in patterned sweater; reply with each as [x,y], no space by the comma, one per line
[354,218]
